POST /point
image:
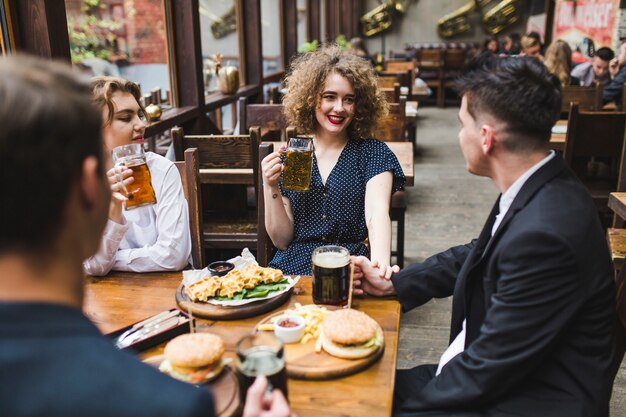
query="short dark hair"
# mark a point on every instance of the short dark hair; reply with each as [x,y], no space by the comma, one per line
[605,54]
[518,91]
[48,128]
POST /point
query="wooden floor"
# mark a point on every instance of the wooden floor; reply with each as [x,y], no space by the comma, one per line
[447,206]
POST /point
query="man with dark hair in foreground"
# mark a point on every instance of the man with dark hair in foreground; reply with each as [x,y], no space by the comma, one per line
[533,304]
[53,360]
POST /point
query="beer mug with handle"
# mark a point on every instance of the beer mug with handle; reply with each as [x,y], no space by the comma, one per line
[140,192]
[298,163]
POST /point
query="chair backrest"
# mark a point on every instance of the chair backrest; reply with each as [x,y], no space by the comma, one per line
[265,247]
[269,117]
[392,127]
[189,175]
[588,98]
[387,81]
[392,94]
[594,134]
[454,59]
[401,66]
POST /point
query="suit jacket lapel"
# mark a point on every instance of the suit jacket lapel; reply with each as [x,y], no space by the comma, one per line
[459,301]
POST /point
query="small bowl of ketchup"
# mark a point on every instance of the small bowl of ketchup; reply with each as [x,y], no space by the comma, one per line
[289,328]
[220,268]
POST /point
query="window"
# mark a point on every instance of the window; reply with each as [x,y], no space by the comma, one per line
[302,15]
[5,46]
[218,27]
[126,38]
[271,36]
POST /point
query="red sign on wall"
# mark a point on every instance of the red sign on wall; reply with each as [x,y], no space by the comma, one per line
[581,21]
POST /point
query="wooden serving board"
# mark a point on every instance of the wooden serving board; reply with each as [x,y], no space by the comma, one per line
[304,363]
[225,389]
[216,312]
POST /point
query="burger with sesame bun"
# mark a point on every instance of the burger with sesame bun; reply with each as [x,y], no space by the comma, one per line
[350,334]
[194,358]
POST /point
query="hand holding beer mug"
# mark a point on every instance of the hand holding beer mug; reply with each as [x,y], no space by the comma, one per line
[331,276]
[140,191]
[298,163]
[261,354]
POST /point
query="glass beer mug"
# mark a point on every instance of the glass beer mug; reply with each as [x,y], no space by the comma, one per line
[331,275]
[140,192]
[261,354]
[298,163]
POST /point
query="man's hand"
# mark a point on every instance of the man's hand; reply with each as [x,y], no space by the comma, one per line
[367,278]
[614,67]
[258,404]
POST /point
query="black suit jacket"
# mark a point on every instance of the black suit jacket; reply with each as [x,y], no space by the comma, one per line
[54,362]
[538,298]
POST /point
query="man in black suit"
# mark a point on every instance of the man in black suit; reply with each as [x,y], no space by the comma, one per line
[53,360]
[533,303]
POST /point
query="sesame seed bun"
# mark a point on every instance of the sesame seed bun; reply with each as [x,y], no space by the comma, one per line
[194,350]
[351,334]
[348,327]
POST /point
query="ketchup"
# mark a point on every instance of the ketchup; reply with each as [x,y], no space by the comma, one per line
[287,323]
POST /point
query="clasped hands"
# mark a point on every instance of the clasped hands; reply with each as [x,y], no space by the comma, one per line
[371,277]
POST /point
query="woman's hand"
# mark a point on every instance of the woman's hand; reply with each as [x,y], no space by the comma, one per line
[369,281]
[271,167]
[385,271]
[119,178]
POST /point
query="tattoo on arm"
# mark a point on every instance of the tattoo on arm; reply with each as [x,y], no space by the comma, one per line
[274,196]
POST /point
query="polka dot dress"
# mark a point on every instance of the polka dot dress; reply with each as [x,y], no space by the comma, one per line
[334,214]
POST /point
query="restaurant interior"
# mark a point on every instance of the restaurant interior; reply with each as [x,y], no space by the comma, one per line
[211,75]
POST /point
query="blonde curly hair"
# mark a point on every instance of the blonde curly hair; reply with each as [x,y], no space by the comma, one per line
[305,83]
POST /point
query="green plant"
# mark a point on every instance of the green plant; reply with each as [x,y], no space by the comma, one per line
[91,36]
[314,44]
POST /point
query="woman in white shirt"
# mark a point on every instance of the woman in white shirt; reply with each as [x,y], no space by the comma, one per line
[147,238]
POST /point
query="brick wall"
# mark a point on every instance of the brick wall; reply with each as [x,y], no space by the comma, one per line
[143,36]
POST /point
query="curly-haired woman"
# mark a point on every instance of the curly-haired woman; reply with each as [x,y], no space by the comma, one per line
[333,96]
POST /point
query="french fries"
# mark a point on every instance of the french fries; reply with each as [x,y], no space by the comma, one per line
[313,316]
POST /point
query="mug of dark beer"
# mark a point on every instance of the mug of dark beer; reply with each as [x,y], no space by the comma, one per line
[140,192]
[261,354]
[331,275]
[298,163]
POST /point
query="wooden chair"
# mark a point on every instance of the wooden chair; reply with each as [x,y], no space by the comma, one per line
[593,149]
[228,223]
[189,175]
[454,61]
[387,81]
[400,65]
[265,247]
[269,117]
[430,64]
[392,128]
[588,98]
[392,94]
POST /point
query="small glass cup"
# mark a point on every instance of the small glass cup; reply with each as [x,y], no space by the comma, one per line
[331,275]
[140,192]
[261,354]
[298,163]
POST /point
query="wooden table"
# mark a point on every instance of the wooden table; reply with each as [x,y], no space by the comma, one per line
[402,150]
[617,203]
[557,140]
[120,299]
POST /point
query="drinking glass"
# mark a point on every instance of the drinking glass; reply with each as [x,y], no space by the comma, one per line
[331,275]
[298,163]
[140,192]
[261,354]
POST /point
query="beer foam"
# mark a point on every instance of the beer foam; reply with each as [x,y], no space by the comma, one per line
[330,259]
